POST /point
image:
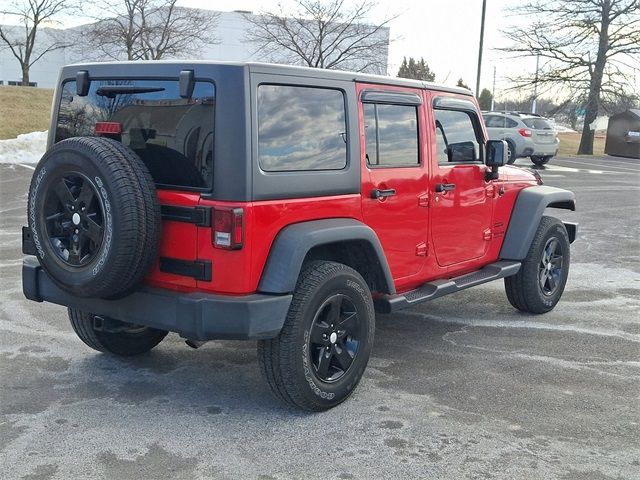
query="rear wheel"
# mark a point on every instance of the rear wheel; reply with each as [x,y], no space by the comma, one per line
[126,340]
[540,160]
[539,284]
[322,351]
[511,152]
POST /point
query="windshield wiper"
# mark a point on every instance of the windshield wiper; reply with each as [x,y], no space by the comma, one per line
[112,90]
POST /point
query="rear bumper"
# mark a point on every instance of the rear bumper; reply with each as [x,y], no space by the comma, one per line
[196,316]
[545,149]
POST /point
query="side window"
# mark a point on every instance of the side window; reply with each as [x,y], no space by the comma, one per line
[391,135]
[301,128]
[511,123]
[493,121]
[456,139]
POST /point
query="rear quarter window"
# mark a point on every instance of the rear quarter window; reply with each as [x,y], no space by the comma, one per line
[172,135]
[301,128]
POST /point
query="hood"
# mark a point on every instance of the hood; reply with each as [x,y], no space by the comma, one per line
[518,174]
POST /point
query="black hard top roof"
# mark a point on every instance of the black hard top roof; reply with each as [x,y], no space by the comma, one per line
[269,68]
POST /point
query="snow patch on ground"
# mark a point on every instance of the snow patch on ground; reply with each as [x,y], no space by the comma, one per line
[563,129]
[26,148]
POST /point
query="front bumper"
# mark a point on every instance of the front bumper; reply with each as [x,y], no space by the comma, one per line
[196,316]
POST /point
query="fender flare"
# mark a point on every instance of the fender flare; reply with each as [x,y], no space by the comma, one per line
[293,242]
[526,215]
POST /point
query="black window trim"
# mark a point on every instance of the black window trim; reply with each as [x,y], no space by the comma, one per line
[346,127]
[163,186]
[400,165]
[464,106]
[389,97]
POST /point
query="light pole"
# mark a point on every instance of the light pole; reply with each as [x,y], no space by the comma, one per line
[493,92]
[484,10]
[535,86]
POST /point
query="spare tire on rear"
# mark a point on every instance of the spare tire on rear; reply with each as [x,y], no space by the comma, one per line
[94,216]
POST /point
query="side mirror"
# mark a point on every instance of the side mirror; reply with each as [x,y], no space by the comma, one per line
[497,156]
[496,153]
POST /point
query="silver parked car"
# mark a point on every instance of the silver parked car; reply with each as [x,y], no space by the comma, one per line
[528,135]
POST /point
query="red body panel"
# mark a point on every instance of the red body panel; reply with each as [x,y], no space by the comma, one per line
[425,235]
[178,240]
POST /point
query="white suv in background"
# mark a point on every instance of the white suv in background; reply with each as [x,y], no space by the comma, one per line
[527,134]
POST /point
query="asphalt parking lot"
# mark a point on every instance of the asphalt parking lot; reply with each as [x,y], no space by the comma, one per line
[462,387]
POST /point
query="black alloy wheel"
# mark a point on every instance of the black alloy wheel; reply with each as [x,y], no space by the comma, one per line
[540,282]
[321,353]
[335,338]
[74,219]
[550,269]
[94,217]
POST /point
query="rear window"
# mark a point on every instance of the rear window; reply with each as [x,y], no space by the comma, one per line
[537,123]
[172,135]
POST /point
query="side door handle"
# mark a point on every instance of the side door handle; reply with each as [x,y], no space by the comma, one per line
[388,192]
[445,187]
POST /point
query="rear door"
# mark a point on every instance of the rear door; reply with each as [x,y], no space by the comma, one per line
[174,138]
[394,179]
[495,126]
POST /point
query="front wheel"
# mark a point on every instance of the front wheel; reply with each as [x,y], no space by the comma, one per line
[125,341]
[322,351]
[540,160]
[539,284]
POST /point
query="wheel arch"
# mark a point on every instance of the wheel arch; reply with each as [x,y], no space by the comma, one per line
[526,215]
[342,240]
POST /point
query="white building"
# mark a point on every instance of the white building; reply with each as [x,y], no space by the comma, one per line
[230,34]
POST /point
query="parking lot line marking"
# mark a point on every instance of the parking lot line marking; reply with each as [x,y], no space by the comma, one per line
[588,164]
[27,166]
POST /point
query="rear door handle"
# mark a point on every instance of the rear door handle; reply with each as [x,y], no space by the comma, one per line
[388,192]
[445,187]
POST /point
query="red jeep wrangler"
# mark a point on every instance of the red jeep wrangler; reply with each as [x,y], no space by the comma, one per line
[280,204]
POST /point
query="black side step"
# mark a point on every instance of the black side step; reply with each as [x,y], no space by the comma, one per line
[439,288]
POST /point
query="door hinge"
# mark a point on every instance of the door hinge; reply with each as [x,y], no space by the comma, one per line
[491,191]
[422,249]
[487,234]
[423,200]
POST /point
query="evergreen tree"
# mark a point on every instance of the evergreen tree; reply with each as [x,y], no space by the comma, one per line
[485,99]
[417,70]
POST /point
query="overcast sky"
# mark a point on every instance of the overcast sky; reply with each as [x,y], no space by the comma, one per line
[445,32]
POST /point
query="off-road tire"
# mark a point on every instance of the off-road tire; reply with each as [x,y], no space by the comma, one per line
[286,361]
[524,290]
[126,344]
[126,194]
[540,161]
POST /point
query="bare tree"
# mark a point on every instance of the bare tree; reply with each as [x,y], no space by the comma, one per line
[322,34]
[23,41]
[585,46]
[149,30]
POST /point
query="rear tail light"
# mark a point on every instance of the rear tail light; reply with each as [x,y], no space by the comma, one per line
[227,228]
[108,128]
[525,132]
